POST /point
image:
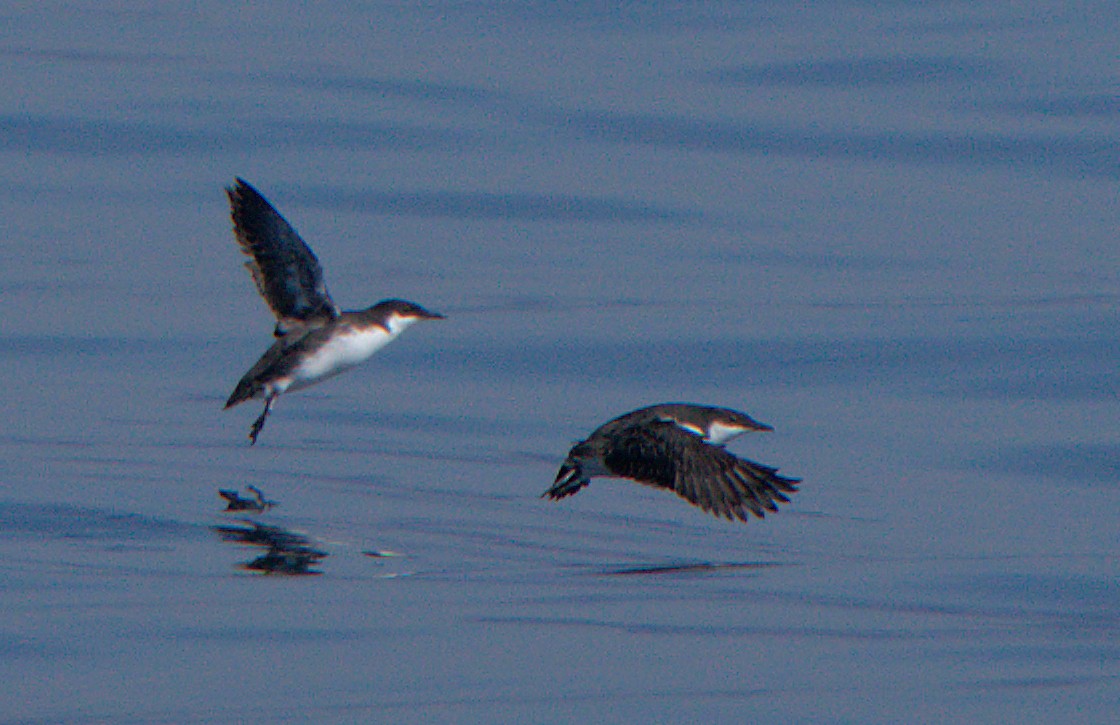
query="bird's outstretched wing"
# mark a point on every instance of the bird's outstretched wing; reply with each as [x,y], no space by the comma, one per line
[286,272]
[668,456]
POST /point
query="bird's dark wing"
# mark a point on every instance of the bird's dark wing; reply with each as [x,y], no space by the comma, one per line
[286,272]
[664,455]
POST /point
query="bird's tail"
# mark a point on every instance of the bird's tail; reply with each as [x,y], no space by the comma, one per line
[245,390]
[569,480]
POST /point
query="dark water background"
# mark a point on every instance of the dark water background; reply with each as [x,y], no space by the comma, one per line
[886,229]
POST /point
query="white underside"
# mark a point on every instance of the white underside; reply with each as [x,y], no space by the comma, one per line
[716,434]
[719,434]
[340,354]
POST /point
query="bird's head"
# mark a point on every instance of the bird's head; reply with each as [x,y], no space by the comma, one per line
[400,314]
[569,479]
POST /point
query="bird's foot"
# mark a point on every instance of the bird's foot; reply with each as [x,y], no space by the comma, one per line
[255,431]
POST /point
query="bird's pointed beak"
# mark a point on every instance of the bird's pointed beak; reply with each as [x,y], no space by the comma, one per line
[429,315]
[569,479]
[567,471]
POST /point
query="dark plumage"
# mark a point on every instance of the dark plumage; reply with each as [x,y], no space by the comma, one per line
[287,273]
[678,446]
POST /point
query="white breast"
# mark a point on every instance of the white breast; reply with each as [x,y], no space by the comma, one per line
[719,433]
[341,353]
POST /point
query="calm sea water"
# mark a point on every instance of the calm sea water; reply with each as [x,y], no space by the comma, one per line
[886,229]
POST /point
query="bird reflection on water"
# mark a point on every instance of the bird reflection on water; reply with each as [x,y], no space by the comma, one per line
[256,503]
[288,552]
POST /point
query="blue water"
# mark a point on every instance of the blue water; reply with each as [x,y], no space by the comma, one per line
[886,229]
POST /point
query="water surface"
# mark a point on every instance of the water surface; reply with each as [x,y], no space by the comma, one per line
[888,230]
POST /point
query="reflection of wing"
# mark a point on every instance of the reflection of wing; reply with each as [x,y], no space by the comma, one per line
[667,456]
[287,274]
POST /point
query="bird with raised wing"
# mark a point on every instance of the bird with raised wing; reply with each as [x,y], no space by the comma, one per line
[315,339]
[679,447]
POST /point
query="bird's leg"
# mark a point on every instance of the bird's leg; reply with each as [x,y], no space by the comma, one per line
[258,424]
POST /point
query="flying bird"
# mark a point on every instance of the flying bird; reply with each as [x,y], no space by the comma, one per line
[679,446]
[315,339]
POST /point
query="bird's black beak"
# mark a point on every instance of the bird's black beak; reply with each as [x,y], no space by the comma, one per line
[569,479]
